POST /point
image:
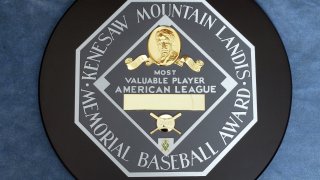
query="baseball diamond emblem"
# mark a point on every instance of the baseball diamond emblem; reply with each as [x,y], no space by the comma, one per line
[160,98]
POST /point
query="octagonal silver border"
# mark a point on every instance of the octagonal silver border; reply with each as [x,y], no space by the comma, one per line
[168,174]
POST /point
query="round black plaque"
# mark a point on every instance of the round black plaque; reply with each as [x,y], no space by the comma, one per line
[85,160]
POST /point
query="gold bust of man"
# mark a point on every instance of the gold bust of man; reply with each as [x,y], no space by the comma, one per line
[164,46]
[165,40]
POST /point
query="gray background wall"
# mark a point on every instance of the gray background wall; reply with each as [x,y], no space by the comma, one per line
[25,27]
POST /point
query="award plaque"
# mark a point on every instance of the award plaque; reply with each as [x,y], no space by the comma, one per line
[165,89]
